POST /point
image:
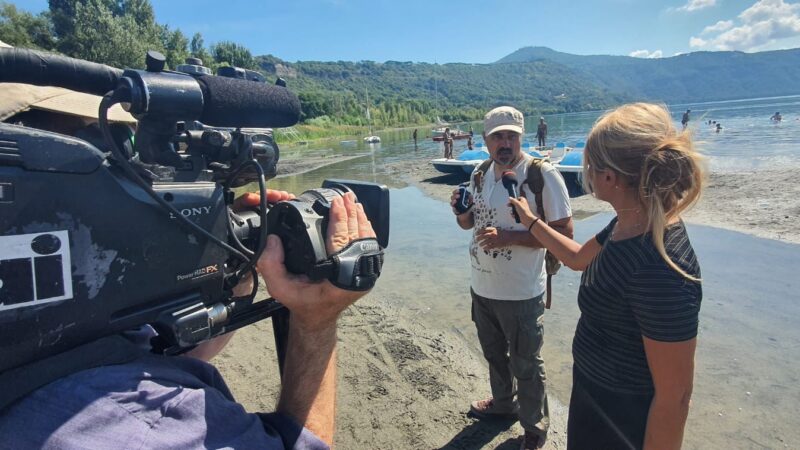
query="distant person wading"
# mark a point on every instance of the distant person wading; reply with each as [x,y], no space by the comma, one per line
[541,132]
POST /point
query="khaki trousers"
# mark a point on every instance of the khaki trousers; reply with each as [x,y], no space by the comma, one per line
[511,333]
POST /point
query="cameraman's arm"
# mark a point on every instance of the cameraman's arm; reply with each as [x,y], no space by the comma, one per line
[309,389]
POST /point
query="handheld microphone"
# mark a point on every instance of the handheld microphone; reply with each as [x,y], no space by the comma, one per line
[510,183]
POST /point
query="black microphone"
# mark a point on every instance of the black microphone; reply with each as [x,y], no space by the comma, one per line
[230,102]
[510,183]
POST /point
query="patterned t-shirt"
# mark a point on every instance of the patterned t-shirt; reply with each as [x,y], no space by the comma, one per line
[628,291]
[515,272]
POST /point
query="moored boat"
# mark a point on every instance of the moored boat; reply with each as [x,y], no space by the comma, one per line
[466,162]
[448,166]
[571,168]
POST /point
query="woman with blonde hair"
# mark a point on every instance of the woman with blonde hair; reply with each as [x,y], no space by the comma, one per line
[640,291]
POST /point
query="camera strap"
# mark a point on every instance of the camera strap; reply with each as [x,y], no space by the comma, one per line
[354,268]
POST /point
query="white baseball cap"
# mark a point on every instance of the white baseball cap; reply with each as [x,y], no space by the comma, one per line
[503,118]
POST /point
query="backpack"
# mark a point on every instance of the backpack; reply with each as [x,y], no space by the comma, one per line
[535,182]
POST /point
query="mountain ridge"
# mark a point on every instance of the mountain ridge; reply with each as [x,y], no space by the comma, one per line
[690,77]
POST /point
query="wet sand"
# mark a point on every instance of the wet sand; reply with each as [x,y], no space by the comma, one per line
[404,383]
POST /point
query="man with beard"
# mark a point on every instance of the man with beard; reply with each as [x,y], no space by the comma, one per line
[508,276]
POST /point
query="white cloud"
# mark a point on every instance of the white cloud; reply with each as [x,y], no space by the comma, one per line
[763,23]
[646,54]
[718,27]
[695,5]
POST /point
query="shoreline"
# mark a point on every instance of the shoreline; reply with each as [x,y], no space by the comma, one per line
[763,203]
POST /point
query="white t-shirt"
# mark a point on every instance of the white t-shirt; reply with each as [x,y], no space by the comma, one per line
[515,272]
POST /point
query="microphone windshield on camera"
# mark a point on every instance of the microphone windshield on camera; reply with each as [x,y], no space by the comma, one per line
[230,102]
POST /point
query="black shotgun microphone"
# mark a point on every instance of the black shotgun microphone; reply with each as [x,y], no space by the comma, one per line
[510,183]
[230,102]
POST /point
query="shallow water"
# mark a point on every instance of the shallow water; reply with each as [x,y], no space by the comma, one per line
[748,360]
[748,141]
[746,388]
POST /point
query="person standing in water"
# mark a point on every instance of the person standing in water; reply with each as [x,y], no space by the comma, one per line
[640,291]
[541,132]
[685,119]
[448,144]
[776,117]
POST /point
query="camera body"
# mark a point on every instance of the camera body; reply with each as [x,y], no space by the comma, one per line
[95,243]
[120,262]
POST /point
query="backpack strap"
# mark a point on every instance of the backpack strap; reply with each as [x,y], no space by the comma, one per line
[478,176]
[535,181]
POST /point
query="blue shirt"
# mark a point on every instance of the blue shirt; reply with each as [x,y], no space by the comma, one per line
[151,402]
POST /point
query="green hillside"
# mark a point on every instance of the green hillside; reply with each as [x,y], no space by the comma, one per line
[692,77]
[408,92]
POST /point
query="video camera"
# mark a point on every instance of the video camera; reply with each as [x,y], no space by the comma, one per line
[93,243]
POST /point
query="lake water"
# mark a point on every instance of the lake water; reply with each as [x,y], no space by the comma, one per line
[748,359]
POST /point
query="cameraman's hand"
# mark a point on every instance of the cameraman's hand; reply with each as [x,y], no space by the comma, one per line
[316,305]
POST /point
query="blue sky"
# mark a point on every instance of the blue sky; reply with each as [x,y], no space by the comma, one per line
[473,31]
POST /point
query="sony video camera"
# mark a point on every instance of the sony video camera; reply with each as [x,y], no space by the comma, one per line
[95,241]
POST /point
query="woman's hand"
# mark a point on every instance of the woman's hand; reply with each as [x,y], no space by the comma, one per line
[526,216]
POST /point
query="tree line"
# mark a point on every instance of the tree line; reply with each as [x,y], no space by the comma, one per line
[119,32]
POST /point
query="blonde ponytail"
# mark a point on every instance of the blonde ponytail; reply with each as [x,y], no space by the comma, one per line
[639,142]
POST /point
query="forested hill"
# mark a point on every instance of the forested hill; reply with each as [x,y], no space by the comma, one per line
[416,92]
[699,76]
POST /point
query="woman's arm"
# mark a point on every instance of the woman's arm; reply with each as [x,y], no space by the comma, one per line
[569,252]
[672,367]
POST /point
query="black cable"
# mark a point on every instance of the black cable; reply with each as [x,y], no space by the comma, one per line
[105,104]
[262,190]
[236,242]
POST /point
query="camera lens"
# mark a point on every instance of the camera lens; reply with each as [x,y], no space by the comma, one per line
[324,195]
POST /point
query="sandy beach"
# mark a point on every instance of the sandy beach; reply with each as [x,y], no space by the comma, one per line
[406,384]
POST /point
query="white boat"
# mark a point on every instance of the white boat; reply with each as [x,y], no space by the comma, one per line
[448,166]
[371,139]
[466,161]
